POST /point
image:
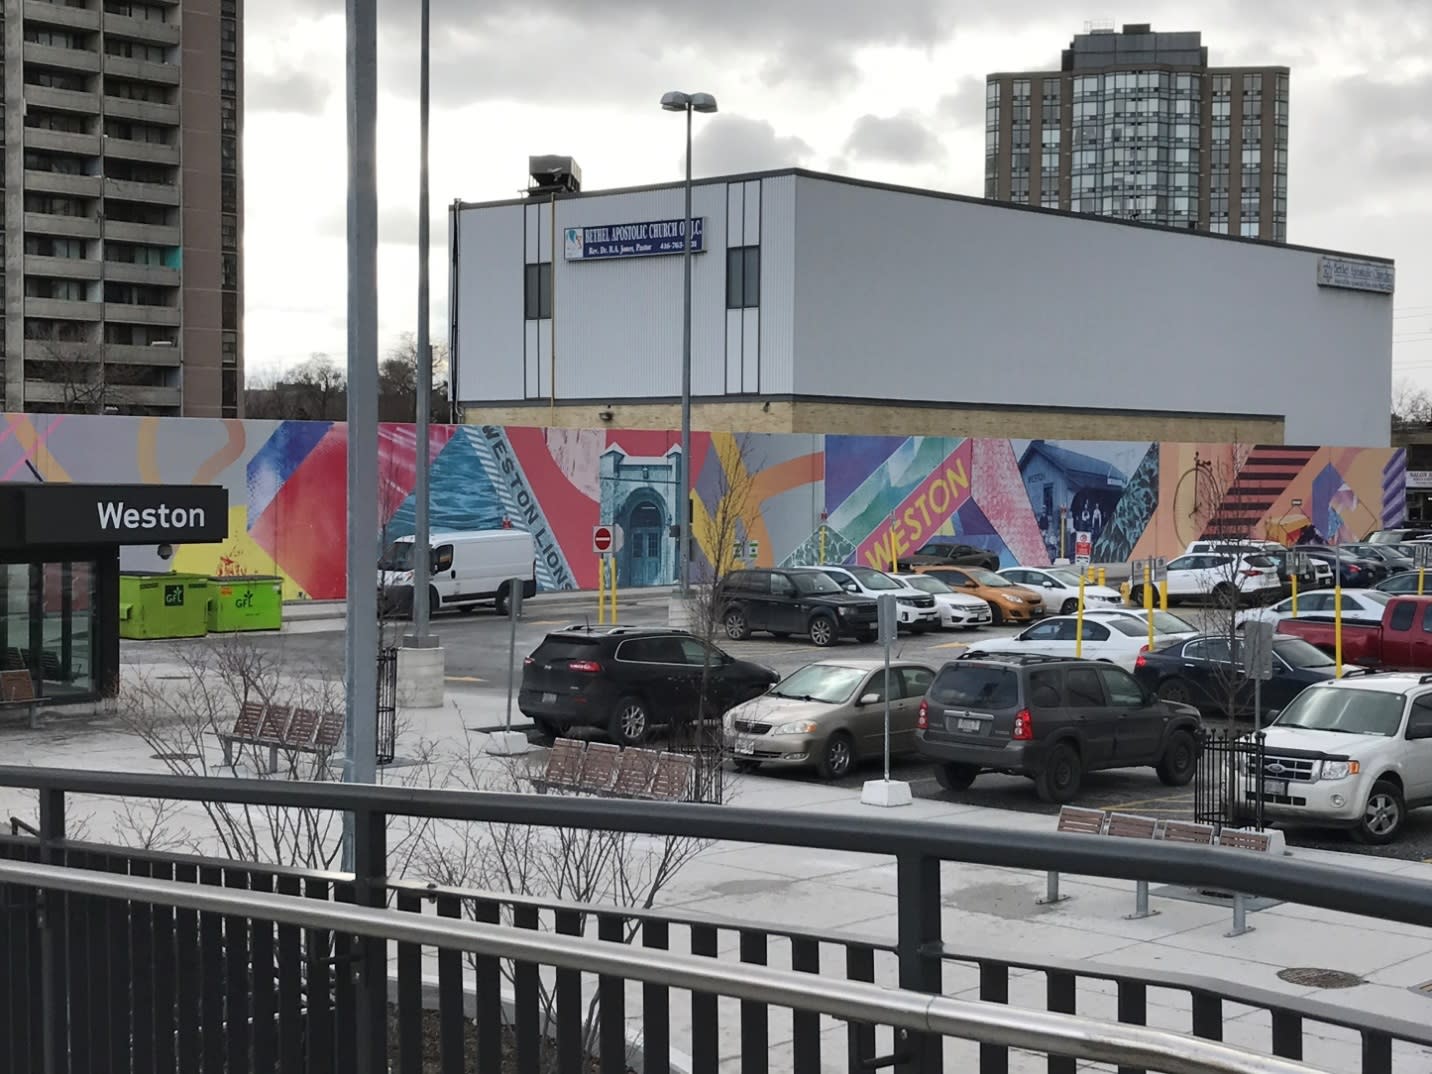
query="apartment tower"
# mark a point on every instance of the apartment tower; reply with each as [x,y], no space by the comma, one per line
[1136,125]
[122,182]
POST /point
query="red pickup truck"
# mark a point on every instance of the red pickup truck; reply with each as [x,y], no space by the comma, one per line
[1401,642]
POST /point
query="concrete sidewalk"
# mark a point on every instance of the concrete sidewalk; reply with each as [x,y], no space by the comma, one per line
[985,909]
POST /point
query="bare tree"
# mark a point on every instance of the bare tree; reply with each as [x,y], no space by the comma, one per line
[1411,405]
[398,382]
[75,368]
[315,390]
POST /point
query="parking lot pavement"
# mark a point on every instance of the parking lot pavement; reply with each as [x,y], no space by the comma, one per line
[476,651]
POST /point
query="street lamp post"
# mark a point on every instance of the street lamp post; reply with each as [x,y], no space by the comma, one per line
[422,565]
[677,101]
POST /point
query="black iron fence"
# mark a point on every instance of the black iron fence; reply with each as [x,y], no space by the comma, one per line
[1230,779]
[108,974]
[387,705]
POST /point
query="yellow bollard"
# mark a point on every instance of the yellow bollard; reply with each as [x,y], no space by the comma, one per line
[1293,577]
[1163,595]
[1337,629]
[601,589]
[1124,592]
[1103,576]
[1421,577]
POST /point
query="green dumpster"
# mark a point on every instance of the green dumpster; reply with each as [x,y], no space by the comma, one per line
[163,605]
[248,603]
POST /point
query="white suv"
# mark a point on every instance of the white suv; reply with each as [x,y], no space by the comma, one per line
[1354,752]
[1223,576]
[916,609]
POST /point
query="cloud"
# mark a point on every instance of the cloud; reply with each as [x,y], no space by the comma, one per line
[964,105]
[900,139]
[297,92]
[730,145]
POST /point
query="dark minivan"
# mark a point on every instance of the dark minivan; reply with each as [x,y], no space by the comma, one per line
[625,679]
[1052,720]
[793,602]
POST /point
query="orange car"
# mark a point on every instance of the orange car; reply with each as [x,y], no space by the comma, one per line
[1007,602]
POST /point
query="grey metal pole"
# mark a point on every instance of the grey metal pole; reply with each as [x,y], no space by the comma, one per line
[422,560]
[683,495]
[361,640]
[887,709]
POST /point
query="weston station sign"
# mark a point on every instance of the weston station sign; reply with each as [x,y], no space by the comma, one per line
[66,514]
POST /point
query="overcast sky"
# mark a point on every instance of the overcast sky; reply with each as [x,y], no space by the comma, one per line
[890,92]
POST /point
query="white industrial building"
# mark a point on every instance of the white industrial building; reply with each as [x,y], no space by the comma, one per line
[825,304]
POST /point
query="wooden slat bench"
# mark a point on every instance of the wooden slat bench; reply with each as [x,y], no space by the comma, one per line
[1073,820]
[1130,826]
[638,769]
[599,768]
[564,766]
[244,732]
[17,694]
[674,779]
[275,728]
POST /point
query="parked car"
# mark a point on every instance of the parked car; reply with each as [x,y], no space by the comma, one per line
[829,714]
[1392,555]
[468,568]
[1060,588]
[1007,602]
[1203,673]
[956,609]
[626,679]
[1167,625]
[1223,577]
[786,602]
[1353,570]
[1115,640]
[1242,546]
[948,552]
[1402,641]
[1398,535]
[1308,578]
[1052,720]
[914,609]
[1406,582]
[1358,606]
[1354,753]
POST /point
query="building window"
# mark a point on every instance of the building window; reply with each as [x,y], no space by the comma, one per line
[230,264]
[229,193]
[743,277]
[229,232]
[1248,229]
[228,36]
[229,391]
[229,348]
[537,291]
[228,75]
[229,153]
[229,311]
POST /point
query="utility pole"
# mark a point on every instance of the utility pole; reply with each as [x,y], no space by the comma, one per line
[361,640]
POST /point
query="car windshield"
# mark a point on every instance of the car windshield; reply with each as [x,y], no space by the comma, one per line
[1297,653]
[1345,711]
[398,557]
[1375,595]
[987,578]
[986,687]
[815,582]
[1168,623]
[870,578]
[927,583]
[1132,628]
[1065,578]
[937,548]
[1259,561]
[820,682]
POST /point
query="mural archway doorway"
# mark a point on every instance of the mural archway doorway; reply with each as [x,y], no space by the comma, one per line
[642,560]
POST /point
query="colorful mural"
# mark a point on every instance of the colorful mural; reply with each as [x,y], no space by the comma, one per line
[763,499]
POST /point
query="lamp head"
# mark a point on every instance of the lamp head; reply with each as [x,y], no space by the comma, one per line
[675,101]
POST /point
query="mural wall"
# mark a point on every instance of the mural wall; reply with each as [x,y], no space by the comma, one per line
[763,499]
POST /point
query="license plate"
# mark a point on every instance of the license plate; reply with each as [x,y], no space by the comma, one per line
[1277,788]
[745,745]
[549,699]
[968,725]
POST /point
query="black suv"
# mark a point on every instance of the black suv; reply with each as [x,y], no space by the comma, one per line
[1052,720]
[947,553]
[793,602]
[625,679]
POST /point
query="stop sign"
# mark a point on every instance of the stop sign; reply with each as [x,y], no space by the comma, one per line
[602,539]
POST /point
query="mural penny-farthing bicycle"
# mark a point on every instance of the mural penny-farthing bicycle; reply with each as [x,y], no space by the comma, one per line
[1195,501]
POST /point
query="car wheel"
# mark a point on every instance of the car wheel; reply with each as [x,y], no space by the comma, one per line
[747,766]
[822,631]
[1063,772]
[1383,816]
[956,777]
[1224,595]
[838,757]
[867,636]
[735,624]
[630,722]
[434,602]
[1069,607]
[1176,766]
[996,615]
[548,729]
[500,604]
[1176,690]
[1136,596]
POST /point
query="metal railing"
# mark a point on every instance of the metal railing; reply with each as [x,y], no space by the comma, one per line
[328,981]
[853,1001]
[1228,787]
[387,736]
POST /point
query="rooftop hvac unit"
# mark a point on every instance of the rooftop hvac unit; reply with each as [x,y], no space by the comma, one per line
[553,175]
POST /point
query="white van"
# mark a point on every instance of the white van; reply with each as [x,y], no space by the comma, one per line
[468,569]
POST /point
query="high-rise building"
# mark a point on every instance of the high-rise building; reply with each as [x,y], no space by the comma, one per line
[122,182]
[1136,125]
